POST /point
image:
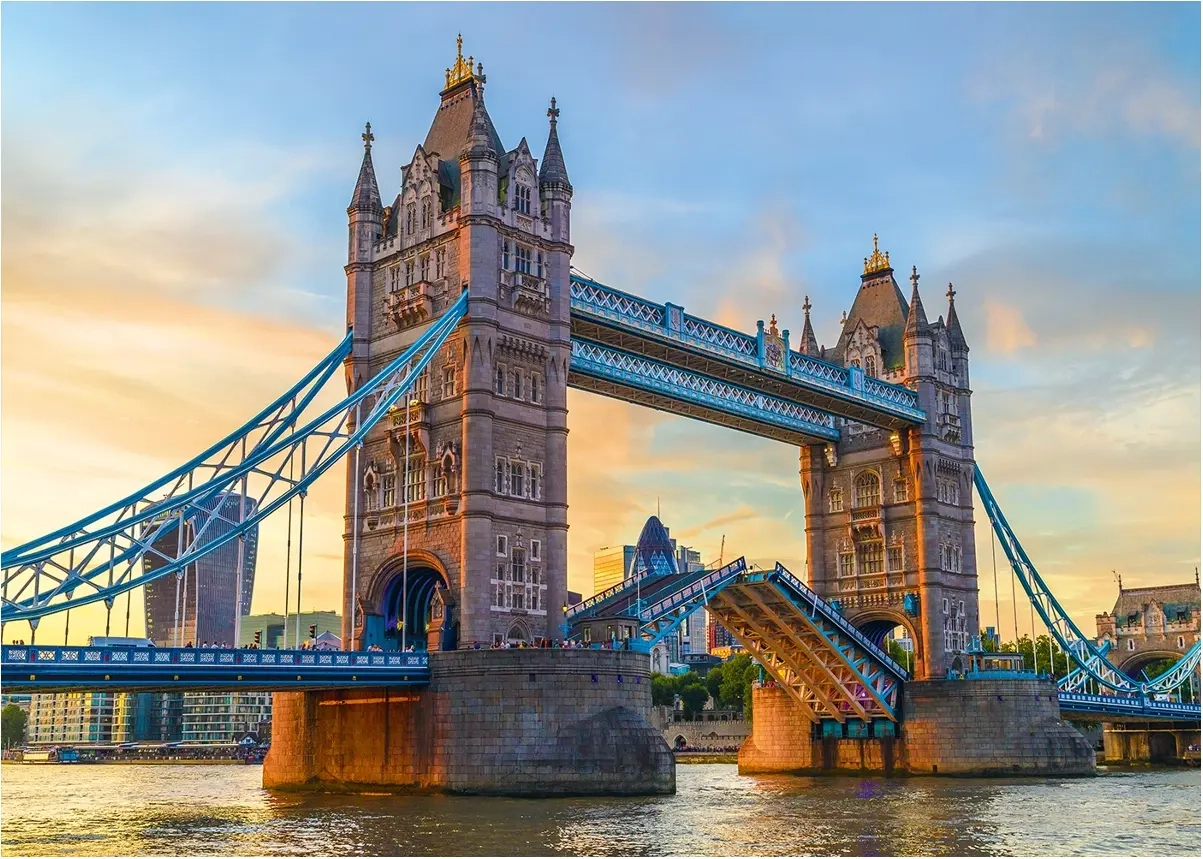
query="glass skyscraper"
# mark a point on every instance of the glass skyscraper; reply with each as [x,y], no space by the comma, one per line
[209,582]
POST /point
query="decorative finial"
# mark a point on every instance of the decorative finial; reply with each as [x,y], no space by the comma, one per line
[806,306]
[951,292]
[843,317]
[462,70]
[914,277]
[877,261]
[367,136]
[553,111]
[773,325]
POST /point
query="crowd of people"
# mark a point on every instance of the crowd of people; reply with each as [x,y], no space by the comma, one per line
[545,643]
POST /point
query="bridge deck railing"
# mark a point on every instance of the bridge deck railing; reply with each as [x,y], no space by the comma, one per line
[32,655]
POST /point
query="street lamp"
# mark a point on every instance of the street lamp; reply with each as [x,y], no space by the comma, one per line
[564,625]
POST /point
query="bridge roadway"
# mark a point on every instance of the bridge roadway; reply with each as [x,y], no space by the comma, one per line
[144,669]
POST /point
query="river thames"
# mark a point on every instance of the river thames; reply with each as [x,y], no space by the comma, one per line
[222,810]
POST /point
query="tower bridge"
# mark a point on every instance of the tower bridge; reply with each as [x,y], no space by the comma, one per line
[466,326]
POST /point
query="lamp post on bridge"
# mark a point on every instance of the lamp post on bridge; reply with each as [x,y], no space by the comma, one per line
[564,625]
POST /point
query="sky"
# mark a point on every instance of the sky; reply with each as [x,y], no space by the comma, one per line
[175,180]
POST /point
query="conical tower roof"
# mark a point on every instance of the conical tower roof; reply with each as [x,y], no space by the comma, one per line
[366,197]
[916,319]
[808,345]
[955,335]
[553,170]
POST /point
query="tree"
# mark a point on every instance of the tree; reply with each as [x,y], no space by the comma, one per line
[664,689]
[714,683]
[12,726]
[694,696]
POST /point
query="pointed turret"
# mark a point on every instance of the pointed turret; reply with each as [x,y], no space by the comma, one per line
[480,133]
[916,319]
[808,345]
[367,193]
[552,170]
[956,336]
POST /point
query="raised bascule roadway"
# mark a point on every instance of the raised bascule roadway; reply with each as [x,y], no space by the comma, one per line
[454,435]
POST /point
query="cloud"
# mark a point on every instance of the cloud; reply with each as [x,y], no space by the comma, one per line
[1080,91]
[1006,331]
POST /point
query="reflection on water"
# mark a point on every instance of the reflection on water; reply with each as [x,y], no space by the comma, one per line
[222,810]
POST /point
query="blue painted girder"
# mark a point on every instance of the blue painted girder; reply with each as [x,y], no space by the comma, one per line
[762,361]
[1089,658]
[645,381]
[134,669]
[1128,707]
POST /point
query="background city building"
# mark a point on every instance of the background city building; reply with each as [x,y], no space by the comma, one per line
[611,566]
[210,582]
[271,628]
[225,717]
[63,718]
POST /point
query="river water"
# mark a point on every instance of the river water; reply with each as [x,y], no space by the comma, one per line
[93,810]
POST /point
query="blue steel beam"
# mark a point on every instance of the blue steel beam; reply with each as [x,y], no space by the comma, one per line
[624,375]
[1127,708]
[109,566]
[1085,653]
[138,669]
[603,314]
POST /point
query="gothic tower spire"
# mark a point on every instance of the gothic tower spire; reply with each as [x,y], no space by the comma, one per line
[916,319]
[808,345]
[553,170]
[366,197]
[956,337]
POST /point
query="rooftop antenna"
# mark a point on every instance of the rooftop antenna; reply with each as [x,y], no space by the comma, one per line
[657,506]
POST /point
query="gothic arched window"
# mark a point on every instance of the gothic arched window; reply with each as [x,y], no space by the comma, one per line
[835,500]
[427,210]
[870,366]
[411,216]
[868,490]
[855,362]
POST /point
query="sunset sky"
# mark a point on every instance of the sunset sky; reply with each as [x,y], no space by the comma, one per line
[175,180]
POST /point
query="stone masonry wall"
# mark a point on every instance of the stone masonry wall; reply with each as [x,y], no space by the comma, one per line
[950,727]
[516,722]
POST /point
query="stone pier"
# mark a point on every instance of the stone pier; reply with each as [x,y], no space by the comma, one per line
[520,722]
[950,727]
[1147,743]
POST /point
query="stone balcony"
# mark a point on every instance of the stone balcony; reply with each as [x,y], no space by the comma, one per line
[866,521]
[528,293]
[411,305]
[949,426]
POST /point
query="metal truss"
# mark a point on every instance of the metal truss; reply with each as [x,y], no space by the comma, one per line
[103,556]
[881,401]
[1091,661]
[690,388]
[829,672]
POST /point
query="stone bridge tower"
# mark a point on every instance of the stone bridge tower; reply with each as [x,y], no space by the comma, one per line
[889,516]
[477,459]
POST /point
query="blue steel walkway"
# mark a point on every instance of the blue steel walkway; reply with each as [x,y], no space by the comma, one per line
[1120,708]
[143,669]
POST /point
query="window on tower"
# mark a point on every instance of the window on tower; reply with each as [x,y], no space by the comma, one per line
[870,366]
[522,198]
[516,384]
[536,384]
[522,259]
[868,490]
[427,212]
[411,216]
[424,267]
[835,500]
[499,381]
[505,255]
[409,273]
[448,382]
[869,556]
[440,262]
[900,492]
